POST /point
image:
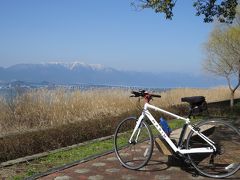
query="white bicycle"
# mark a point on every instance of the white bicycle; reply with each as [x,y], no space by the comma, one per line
[214,152]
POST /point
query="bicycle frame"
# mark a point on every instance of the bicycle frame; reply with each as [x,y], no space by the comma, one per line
[176,149]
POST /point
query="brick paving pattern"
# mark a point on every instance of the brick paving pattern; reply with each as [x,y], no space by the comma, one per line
[108,167]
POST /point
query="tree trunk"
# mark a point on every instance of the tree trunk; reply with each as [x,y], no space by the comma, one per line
[232,99]
[233,90]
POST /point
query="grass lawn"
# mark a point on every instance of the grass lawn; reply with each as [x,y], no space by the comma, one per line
[23,170]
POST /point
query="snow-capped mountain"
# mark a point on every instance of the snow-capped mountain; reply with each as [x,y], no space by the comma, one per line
[79,72]
[76,65]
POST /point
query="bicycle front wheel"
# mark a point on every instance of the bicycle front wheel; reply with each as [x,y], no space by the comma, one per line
[225,160]
[137,153]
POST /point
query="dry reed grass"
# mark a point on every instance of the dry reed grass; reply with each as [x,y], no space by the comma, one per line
[173,97]
[39,109]
[49,108]
[43,120]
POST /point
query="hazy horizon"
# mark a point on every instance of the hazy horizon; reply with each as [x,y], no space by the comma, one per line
[106,66]
[81,73]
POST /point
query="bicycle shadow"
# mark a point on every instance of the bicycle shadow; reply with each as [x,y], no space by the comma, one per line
[159,163]
[162,163]
[154,166]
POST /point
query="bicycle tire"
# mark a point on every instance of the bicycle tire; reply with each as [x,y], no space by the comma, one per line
[225,161]
[133,155]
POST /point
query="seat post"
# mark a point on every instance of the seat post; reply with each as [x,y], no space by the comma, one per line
[183,132]
[190,112]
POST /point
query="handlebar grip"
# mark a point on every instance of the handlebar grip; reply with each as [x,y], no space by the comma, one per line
[136,94]
[143,93]
[155,95]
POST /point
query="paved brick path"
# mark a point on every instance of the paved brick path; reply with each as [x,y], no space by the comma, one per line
[108,167]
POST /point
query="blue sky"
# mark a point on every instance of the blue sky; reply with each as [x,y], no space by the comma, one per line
[107,32]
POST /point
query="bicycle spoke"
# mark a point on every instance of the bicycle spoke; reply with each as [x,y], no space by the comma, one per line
[225,160]
[135,158]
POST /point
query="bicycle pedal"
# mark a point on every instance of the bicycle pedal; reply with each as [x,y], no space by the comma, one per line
[187,161]
[231,166]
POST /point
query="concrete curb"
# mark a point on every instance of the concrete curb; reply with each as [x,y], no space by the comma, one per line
[60,168]
[39,155]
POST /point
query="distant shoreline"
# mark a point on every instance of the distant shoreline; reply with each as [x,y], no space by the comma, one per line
[10,90]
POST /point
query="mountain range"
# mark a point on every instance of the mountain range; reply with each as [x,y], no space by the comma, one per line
[78,72]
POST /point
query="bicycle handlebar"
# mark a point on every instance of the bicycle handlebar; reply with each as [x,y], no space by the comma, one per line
[143,93]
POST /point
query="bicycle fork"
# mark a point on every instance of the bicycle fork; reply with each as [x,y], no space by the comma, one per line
[136,128]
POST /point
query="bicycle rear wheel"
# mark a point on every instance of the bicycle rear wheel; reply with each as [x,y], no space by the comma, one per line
[225,161]
[136,154]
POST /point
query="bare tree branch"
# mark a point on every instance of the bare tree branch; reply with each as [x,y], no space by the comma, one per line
[223,53]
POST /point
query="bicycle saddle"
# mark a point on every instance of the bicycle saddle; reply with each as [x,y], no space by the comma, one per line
[194,100]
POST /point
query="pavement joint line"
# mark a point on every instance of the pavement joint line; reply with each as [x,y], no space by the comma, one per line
[60,168]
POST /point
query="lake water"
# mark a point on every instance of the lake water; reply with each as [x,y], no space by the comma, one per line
[11,92]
